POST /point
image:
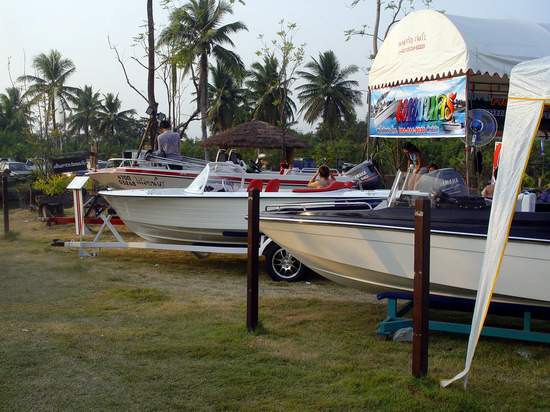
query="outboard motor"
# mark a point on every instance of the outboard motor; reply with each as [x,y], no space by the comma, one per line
[443,182]
[366,176]
[449,189]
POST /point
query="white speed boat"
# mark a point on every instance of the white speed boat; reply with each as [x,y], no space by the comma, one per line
[212,210]
[159,173]
[374,249]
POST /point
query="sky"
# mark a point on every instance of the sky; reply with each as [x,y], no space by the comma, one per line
[79,30]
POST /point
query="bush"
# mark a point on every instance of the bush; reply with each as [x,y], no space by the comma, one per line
[53,185]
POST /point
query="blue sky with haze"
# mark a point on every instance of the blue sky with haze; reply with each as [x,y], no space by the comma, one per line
[79,29]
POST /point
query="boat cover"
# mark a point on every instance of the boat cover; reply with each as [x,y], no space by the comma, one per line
[529,93]
[427,44]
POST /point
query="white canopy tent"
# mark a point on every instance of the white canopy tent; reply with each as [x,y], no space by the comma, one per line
[428,45]
[528,96]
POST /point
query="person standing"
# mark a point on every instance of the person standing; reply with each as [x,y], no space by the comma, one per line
[416,161]
[414,158]
[168,141]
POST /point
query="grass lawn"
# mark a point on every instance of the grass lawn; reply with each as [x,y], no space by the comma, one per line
[147,330]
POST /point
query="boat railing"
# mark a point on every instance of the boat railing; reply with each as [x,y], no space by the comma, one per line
[157,162]
[308,206]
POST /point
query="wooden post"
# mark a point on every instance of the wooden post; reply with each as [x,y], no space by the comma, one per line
[252,278]
[5,205]
[421,287]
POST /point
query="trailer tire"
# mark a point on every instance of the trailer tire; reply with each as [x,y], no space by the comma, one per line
[282,266]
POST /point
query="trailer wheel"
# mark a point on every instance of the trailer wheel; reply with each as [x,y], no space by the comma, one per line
[281,265]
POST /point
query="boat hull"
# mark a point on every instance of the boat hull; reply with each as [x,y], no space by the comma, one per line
[120,178]
[382,259]
[211,218]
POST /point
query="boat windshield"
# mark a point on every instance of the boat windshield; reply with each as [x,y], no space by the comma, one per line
[218,177]
[440,184]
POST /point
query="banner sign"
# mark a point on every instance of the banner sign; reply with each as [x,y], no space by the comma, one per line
[429,109]
[69,164]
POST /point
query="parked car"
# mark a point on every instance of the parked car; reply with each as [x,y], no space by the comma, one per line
[17,169]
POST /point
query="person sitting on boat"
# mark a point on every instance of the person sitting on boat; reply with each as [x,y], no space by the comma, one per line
[325,178]
[168,142]
[432,167]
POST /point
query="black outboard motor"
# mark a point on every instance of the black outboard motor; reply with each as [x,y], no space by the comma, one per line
[446,182]
[448,189]
[366,176]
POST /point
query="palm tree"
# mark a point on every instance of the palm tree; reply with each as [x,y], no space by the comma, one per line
[85,113]
[52,73]
[327,93]
[112,120]
[267,92]
[196,28]
[14,111]
[225,97]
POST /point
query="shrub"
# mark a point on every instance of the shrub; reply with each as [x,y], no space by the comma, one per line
[53,185]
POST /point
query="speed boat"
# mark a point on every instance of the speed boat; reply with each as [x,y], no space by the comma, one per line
[212,210]
[158,173]
[373,249]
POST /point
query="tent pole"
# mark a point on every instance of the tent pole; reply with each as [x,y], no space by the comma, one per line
[366,149]
[466,146]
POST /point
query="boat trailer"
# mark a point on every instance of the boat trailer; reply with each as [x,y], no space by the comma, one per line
[108,223]
[395,317]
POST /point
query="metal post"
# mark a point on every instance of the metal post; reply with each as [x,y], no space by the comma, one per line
[367,138]
[5,205]
[252,278]
[421,287]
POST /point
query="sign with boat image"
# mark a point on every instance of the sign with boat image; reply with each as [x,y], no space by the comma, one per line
[429,109]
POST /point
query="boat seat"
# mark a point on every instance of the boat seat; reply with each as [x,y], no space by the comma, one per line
[273,185]
[255,184]
[331,187]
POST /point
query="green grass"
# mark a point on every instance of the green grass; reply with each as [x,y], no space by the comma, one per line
[158,331]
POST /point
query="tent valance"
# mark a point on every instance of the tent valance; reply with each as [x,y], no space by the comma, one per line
[429,45]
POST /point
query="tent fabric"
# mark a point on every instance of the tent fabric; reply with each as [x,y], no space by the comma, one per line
[427,45]
[528,95]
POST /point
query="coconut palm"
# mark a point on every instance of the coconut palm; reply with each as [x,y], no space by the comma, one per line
[197,31]
[267,92]
[14,111]
[225,97]
[112,120]
[85,112]
[52,73]
[327,93]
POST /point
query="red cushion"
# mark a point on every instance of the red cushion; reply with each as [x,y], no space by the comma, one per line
[273,185]
[331,187]
[255,184]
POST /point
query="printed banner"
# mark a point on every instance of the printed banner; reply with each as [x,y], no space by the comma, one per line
[429,109]
[69,164]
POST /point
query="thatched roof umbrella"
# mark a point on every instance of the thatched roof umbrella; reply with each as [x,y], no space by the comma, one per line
[256,134]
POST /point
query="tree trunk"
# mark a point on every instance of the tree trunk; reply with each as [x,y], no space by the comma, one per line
[151,73]
[52,104]
[174,82]
[203,87]
[376,28]
[54,123]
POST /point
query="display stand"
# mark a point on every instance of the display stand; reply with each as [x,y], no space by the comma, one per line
[395,317]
